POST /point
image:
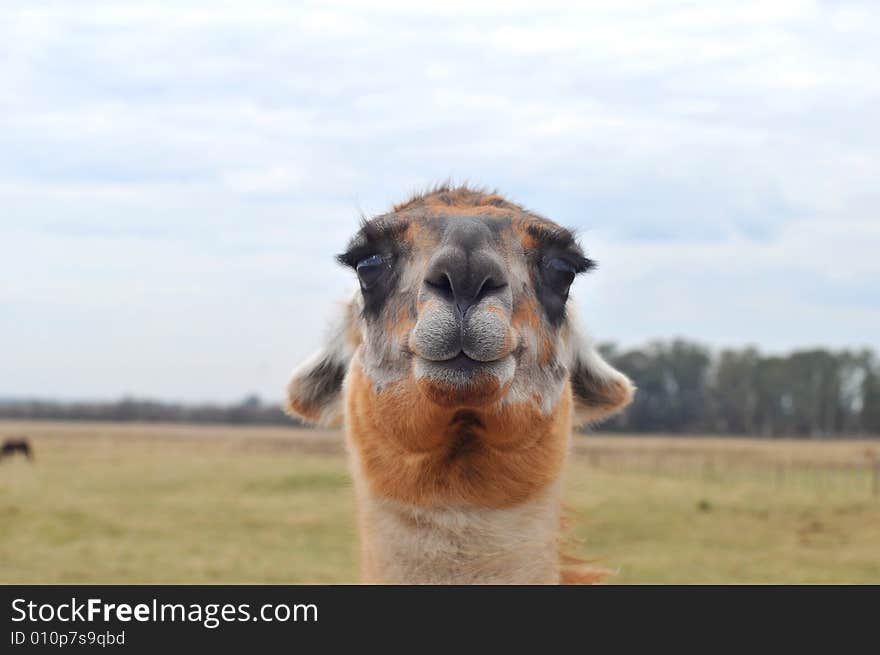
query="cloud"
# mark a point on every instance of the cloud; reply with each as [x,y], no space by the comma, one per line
[175,178]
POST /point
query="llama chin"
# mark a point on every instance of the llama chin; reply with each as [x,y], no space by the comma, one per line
[458,370]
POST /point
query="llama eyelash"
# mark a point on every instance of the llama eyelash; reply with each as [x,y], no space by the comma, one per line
[377,238]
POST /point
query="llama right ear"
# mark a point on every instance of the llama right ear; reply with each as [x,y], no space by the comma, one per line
[314,392]
[599,389]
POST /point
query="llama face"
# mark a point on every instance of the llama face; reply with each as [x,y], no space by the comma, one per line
[466,301]
[463,296]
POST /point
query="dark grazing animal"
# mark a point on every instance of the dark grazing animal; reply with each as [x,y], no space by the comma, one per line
[18,445]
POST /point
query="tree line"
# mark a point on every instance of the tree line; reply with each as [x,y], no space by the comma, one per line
[250,411]
[683,387]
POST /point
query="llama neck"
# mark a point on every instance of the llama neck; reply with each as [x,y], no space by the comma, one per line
[407,544]
[450,496]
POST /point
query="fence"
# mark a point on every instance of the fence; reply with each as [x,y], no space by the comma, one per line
[859,476]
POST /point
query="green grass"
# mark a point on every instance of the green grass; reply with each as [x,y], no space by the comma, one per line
[118,512]
[655,529]
[162,504]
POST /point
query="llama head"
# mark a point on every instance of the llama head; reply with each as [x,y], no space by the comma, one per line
[463,301]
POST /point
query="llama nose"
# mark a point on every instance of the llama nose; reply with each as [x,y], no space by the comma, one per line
[464,278]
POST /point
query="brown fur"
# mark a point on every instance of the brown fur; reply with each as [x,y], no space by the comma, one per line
[570,576]
[410,448]
[460,197]
[458,475]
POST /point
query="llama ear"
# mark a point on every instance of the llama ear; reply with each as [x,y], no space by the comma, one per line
[314,392]
[599,390]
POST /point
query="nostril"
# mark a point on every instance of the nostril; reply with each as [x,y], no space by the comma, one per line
[489,286]
[441,283]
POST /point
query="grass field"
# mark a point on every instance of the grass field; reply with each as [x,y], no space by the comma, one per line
[112,503]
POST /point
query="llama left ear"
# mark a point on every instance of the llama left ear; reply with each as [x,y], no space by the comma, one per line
[314,392]
[599,390]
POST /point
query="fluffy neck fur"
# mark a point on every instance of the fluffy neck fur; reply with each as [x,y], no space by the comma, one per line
[406,544]
[439,504]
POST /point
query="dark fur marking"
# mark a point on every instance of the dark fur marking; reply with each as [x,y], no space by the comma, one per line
[323,382]
[559,242]
[466,420]
[380,236]
[377,236]
[554,241]
[465,443]
[586,388]
[465,425]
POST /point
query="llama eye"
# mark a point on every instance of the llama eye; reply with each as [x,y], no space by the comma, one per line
[370,269]
[560,273]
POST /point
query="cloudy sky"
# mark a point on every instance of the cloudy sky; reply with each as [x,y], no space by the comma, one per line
[175,177]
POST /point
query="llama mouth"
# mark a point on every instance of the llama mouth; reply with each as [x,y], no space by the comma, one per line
[462,365]
[462,381]
[463,362]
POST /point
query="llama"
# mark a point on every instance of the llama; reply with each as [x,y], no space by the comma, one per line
[458,369]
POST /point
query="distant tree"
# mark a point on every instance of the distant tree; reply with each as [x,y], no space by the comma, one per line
[671,381]
[870,411]
[854,370]
[648,410]
[735,391]
[686,367]
[814,382]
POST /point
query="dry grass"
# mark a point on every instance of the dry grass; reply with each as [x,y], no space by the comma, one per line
[111,503]
[755,451]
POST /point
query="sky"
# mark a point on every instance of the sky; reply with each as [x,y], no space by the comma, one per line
[176,177]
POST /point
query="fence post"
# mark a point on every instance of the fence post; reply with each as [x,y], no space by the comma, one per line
[875,479]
